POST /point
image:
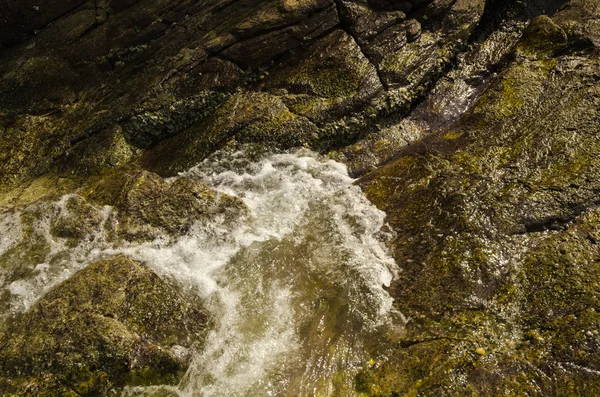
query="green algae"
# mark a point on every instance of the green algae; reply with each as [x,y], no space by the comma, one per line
[110,324]
[542,38]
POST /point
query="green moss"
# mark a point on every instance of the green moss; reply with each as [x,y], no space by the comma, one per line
[452,135]
[109,324]
[542,38]
[381,145]
[471,163]
[520,86]
[408,55]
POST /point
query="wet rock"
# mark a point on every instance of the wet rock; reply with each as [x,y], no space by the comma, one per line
[107,149]
[39,84]
[75,219]
[542,38]
[496,218]
[145,66]
[410,60]
[257,117]
[148,207]
[153,71]
[413,30]
[152,126]
[257,51]
[328,80]
[478,143]
[111,324]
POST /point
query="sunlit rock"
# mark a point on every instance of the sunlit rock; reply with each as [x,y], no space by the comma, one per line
[115,322]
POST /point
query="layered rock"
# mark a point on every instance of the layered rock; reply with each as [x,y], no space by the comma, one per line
[111,78]
[496,218]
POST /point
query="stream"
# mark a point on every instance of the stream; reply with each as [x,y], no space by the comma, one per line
[295,290]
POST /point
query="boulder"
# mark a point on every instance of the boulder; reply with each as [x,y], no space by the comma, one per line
[112,323]
[148,207]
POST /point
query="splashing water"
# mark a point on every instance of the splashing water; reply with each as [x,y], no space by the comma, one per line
[295,289]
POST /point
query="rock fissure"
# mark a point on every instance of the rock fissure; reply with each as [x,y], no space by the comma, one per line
[344,25]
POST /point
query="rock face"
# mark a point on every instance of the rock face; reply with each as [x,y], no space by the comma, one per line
[496,218]
[473,124]
[86,85]
[112,323]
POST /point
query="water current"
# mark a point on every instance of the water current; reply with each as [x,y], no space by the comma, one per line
[295,290]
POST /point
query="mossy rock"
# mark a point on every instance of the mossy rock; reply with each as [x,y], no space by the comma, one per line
[75,219]
[147,206]
[496,234]
[327,80]
[152,126]
[112,323]
[40,83]
[102,152]
[542,38]
[246,117]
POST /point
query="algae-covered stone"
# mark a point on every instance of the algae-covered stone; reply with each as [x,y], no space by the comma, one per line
[38,84]
[76,218]
[113,323]
[496,228]
[542,38]
[153,126]
[581,21]
[147,206]
[327,80]
[247,117]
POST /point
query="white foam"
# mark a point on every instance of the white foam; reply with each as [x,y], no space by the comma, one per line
[294,288]
[59,263]
[10,227]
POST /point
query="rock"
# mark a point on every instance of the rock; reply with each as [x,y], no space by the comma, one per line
[542,38]
[257,51]
[413,30]
[170,67]
[147,206]
[473,124]
[48,78]
[328,80]
[75,219]
[581,20]
[492,254]
[111,324]
[257,117]
[152,126]
[108,149]
[450,98]
[20,19]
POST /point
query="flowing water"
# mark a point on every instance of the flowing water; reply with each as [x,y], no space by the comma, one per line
[295,289]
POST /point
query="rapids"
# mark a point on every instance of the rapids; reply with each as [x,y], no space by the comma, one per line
[295,290]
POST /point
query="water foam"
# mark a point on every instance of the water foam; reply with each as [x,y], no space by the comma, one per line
[295,289]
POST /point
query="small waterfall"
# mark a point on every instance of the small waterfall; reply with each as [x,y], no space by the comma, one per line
[295,289]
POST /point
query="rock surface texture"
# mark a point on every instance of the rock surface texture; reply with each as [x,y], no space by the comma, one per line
[112,323]
[474,124]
